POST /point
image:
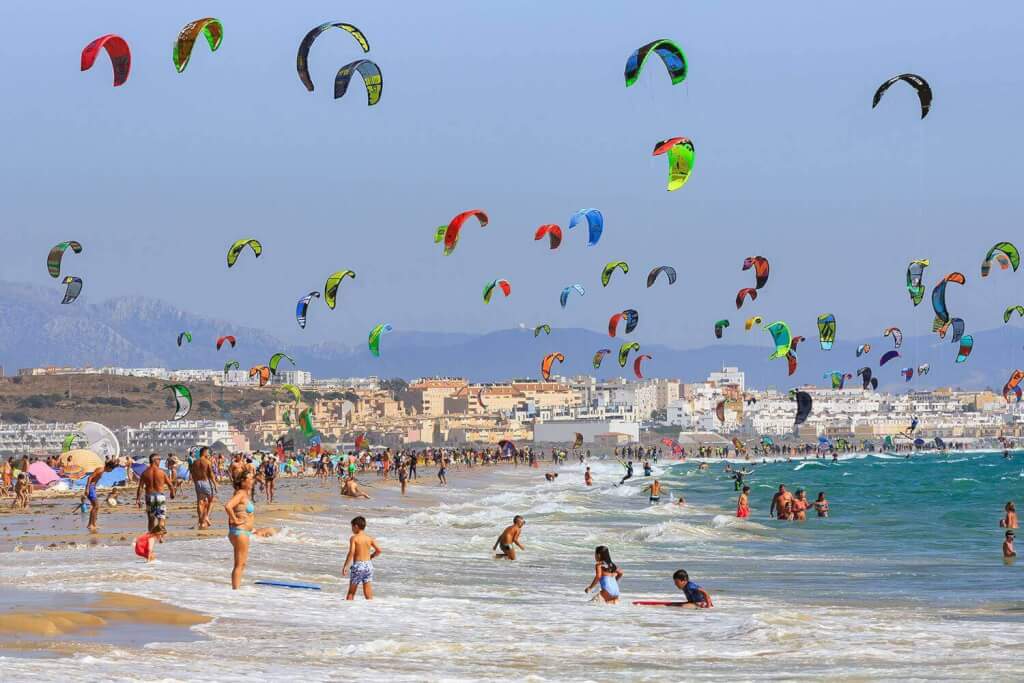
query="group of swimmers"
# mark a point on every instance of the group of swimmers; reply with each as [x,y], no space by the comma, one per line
[1009,522]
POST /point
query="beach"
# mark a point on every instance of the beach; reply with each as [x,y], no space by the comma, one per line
[904,580]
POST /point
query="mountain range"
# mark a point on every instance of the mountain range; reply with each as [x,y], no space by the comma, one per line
[141,332]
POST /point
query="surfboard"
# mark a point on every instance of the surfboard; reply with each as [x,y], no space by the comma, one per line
[282,584]
[659,603]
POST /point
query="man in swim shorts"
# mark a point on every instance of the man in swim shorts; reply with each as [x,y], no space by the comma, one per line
[154,482]
[362,550]
[781,503]
[205,483]
[90,492]
[655,491]
[509,537]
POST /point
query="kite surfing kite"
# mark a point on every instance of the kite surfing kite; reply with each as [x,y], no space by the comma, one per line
[1008,313]
[276,359]
[239,245]
[553,232]
[372,79]
[231,365]
[896,334]
[751,321]
[720,411]
[924,91]
[595,224]
[804,403]
[671,56]
[332,284]
[599,356]
[1013,384]
[888,356]
[761,269]
[302,307]
[670,274]
[57,254]
[719,326]
[184,337]
[908,374]
[923,369]
[211,29]
[1005,254]
[182,399]
[302,59]
[636,365]
[939,299]
[293,390]
[119,52]
[966,346]
[838,378]
[545,365]
[226,338]
[915,271]
[745,292]
[451,233]
[261,371]
[680,154]
[375,333]
[826,330]
[631,317]
[862,349]
[782,336]
[505,286]
[624,352]
[563,298]
[609,268]
[957,325]
[543,327]
[869,381]
[73,290]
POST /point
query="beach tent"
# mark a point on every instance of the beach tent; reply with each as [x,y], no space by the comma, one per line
[115,477]
[79,462]
[42,473]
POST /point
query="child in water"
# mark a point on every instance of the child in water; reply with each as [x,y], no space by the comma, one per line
[1008,549]
[821,505]
[606,575]
[145,545]
[696,597]
[1009,521]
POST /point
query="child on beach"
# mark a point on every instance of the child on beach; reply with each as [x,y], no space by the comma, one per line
[22,492]
[1008,549]
[362,549]
[509,536]
[696,597]
[1009,521]
[606,575]
[145,545]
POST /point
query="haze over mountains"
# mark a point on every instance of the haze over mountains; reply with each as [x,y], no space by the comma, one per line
[36,330]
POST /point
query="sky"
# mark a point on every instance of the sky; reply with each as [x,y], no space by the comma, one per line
[519,109]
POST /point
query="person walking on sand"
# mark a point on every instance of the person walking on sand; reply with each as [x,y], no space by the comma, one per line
[90,492]
[154,481]
[205,482]
[743,503]
[606,575]
[269,470]
[508,538]
[362,551]
[1009,520]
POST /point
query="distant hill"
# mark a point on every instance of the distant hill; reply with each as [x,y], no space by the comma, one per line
[36,330]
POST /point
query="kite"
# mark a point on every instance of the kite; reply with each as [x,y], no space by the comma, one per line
[595,224]
[888,356]
[745,292]
[74,288]
[239,245]
[624,352]
[119,52]
[896,334]
[69,441]
[939,298]
[1008,313]
[231,365]
[669,271]
[869,381]
[680,160]
[1013,384]
[862,349]
[924,91]
[553,232]
[302,60]
[908,374]
[671,56]
[545,365]
[439,233]
[306,423]
[506,287]
[915,271]
[57,253]
[636,365]
[302,307]
[958,329]
[826,330]
[838,378]
[1004,249]
[564,296]
[261,371]
[782,336]
[226,338]
[182,399]
[578,443]
[753,320]
[543,327]
[375,333]
[719,326]
[923,369]
[211,28]
[332,284]
[293,390]
[609,268]
[599,356]
[361,442]
[791,361]
[761,269]
[720,411]
[966,346]
[185,337]
[631,316]
[276,359]
[451,233]
[372,79]
[796,340]
[804,403]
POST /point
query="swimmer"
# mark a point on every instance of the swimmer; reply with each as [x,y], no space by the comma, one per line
[780,503]
[551,476]
[680,502]
[509,537]
[655,490]
[1009,521]
[743,504]
[696,597]
[606,575]
[647,469]
[798,506]
[587,478]
[1008,549]
[821,505]
[362,551]
[703,467]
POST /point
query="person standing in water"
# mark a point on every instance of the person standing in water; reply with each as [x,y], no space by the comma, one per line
[781,502]
[241,520]
[442,472]
[798,506]
[821,505]
[1009,520]
[154,482]
[362,550]
[587,478]
[509,537]
[655,491]
[606,575]
[743,503]
[1008,549]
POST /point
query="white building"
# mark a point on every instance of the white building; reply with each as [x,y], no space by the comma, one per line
[564,431]
[168,436]
[300,378]
[34,437]
[728,376]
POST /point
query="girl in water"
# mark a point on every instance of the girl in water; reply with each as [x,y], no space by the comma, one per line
[241,520]
[606,575]
[821,505]
[1010,520]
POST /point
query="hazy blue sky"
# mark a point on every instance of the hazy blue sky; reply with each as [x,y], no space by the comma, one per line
[518,108]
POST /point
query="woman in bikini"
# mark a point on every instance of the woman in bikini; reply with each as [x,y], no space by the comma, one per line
[241,520]
[606,575]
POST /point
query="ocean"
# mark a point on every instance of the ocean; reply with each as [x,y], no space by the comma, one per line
[904,580]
